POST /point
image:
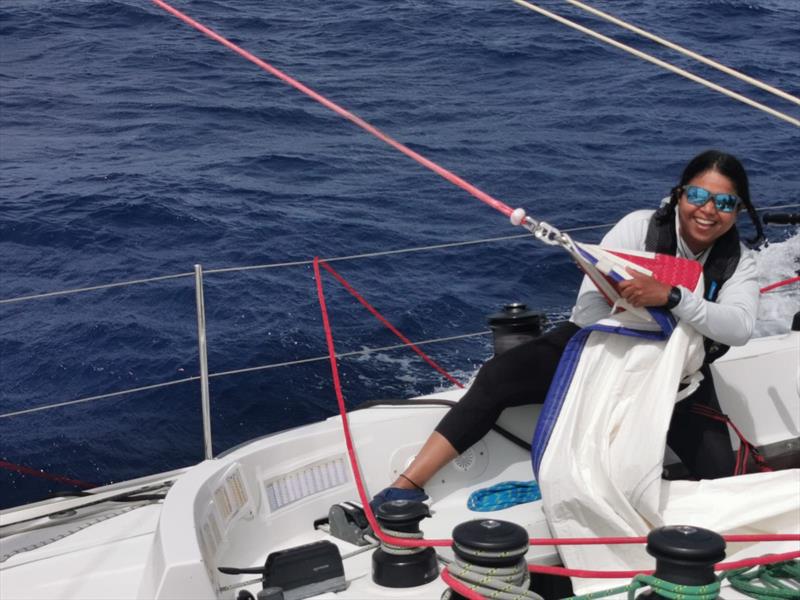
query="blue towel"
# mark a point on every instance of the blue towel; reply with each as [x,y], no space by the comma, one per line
[503,495]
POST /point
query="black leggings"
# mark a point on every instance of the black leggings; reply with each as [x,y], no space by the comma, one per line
[522,375]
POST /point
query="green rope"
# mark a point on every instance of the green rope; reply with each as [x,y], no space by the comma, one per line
[767,582]
[605,593]
[677,591]
[777,582]
[674,591]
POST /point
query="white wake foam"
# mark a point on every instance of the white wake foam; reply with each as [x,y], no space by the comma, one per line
[777,262]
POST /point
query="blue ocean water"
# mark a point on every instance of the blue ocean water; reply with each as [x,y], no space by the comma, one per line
[132,146]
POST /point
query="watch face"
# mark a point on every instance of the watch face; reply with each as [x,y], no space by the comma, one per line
[674,297]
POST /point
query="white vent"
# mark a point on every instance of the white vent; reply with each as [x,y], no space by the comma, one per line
[215,529]
[211,535]
[223,504]
[236,489]
[305,482]
[230,497]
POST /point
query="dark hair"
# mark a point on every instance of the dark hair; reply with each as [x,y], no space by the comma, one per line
[729,166]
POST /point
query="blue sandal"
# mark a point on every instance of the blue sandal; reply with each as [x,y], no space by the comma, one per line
[394,493]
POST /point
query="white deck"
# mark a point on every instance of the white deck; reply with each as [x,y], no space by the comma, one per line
[219,514]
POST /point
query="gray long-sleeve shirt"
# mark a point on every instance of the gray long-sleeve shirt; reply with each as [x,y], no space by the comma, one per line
[729,320]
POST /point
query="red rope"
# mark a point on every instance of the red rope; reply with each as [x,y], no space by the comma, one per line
[745,447]
[564,572]
[778,284]
[44,475]
[389,326]
[423,543]
[738,564]
[337,386]
[753,562]
[448,175]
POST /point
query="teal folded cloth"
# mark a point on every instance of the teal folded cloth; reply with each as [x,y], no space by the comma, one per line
[503,495]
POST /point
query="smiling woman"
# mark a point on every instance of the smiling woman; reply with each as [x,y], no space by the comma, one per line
[703,221]
[725,315]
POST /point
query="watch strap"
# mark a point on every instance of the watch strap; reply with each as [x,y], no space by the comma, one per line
[673,298]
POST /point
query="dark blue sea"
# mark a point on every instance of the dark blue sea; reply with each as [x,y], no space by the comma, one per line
[132,147]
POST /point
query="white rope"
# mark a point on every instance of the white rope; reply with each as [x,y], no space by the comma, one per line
[660,63]
[685,51]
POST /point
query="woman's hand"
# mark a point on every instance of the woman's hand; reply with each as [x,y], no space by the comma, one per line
[643,290]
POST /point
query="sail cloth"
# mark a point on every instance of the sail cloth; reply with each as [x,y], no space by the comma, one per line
[599,444]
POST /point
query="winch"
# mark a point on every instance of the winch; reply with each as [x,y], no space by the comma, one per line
[514,325]
[490,556]
[396,566]
[685,555]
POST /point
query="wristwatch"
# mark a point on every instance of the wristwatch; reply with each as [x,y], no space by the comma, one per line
[673,298]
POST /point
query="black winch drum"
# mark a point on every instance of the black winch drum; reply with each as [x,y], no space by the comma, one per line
[685,555]
[514,325]
[396,567]
[490,544]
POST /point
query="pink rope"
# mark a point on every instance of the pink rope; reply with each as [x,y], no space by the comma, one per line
[439,170]
[749,562]
[337,386]
[44,475]
[389,326]
[778,284]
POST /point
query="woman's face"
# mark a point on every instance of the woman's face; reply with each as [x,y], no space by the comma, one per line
[702,225]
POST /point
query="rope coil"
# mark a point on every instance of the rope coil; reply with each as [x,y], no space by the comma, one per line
[504,583]
[779,580]
[390,548]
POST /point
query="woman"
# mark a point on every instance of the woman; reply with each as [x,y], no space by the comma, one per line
[698,222]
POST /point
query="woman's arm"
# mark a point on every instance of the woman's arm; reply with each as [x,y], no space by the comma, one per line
[731,319]
[628,234]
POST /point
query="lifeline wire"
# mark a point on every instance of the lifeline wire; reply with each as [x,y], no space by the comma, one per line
[296,263]
[659,62]
[763,290]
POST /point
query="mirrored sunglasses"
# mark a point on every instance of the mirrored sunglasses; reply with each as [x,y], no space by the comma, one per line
[699,196]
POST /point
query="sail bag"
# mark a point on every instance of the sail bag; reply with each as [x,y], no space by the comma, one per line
[599,444]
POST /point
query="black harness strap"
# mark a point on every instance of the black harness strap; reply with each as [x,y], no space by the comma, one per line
[718,268]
